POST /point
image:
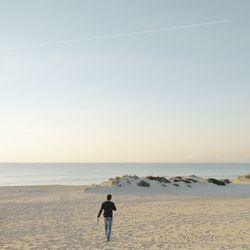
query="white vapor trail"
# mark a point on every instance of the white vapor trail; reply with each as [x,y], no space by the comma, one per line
[116,35]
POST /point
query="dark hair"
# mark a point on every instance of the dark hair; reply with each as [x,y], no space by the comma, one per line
[109,196]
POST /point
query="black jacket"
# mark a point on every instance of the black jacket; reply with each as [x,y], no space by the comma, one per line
[108,207]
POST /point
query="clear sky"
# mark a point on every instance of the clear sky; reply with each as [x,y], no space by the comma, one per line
[173,96]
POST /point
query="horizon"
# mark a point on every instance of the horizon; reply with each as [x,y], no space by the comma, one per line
[212,163]
[124,82]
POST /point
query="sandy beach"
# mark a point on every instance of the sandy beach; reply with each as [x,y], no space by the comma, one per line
[138,110]
[64,217]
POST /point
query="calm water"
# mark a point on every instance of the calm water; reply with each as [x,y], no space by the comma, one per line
[77,174]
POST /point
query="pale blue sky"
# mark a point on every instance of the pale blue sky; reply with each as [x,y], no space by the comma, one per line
[180,95]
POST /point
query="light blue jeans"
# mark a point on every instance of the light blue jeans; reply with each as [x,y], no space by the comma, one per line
[108,226]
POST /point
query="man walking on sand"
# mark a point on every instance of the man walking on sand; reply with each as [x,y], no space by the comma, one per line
[108,206]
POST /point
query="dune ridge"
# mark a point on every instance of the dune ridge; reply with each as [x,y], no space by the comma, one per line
[181,185]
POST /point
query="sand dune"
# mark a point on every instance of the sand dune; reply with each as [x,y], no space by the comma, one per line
[244,179]
[181,185]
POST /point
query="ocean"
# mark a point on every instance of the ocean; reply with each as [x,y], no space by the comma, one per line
[22,174]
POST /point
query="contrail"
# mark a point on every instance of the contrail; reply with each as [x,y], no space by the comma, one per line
[91,38]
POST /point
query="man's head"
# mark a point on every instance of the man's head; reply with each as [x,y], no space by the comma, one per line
[109,196]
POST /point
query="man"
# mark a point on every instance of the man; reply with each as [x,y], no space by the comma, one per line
[108,207]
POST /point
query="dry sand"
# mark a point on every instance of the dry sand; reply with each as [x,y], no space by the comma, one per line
[64,217]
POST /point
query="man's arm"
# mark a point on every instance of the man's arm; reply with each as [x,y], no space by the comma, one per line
[100,211]
[114,207]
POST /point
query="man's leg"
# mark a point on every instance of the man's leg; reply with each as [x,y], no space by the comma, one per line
[106,226]
[110,220]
